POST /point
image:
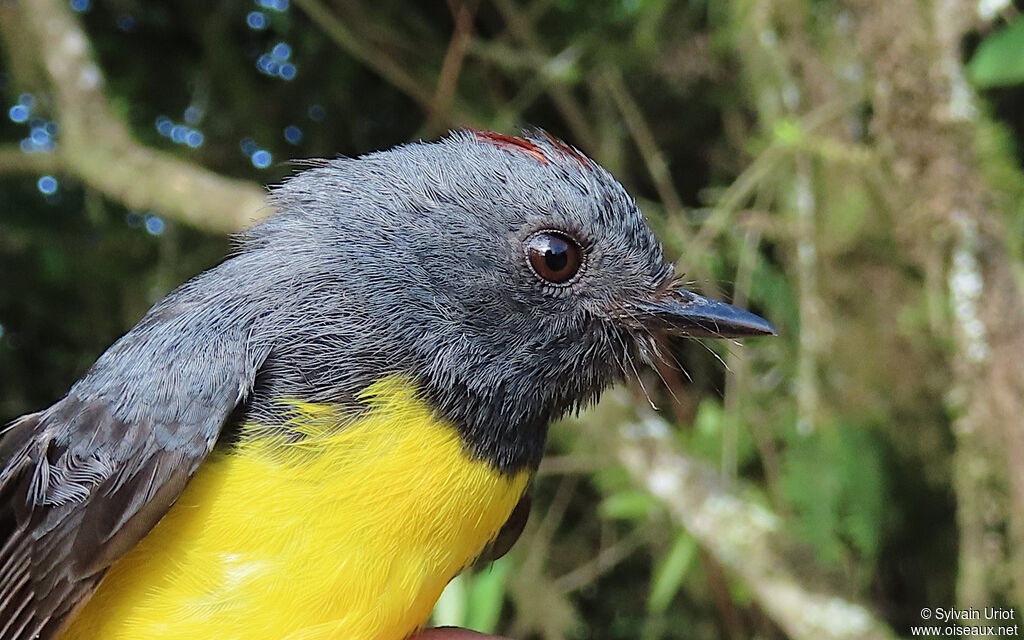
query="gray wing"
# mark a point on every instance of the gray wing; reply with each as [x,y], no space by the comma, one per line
[83,481]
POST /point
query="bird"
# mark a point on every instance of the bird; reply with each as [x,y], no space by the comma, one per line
[312,438]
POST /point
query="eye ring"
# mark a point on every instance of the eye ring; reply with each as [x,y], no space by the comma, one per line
[554,256]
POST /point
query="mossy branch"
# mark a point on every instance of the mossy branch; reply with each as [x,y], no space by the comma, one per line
[97,147]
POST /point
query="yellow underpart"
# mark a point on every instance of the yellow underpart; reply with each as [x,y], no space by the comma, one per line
[350,533]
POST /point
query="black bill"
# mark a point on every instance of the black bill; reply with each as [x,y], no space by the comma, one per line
[685,313]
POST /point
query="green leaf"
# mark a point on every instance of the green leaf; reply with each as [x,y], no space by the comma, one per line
[836,482]
[789,132]
[630,504]
[487,596]
[671,572]
[999,60]
[711,426]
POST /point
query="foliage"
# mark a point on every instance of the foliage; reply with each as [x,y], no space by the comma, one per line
[999,60]
[835,481]
[762,145]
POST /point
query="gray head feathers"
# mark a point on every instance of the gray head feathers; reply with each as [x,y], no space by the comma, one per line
[412,260]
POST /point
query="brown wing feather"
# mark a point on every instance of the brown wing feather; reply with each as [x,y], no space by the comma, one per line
[64,521]
[83,481]
[80,485]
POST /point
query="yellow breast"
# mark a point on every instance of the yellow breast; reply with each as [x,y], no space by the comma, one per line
[349,533]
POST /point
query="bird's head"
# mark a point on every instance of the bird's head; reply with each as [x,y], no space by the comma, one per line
[511,278]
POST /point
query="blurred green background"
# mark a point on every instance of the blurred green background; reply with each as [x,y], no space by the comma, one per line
[850,170]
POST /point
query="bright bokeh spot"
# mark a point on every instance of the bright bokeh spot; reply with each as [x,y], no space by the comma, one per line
[267,64]
[18,113]
[180,133]
[281,51]
[256,20]
[164,125]
[47,185]
[275,62]
[154,224]
[261,159]
[293,134]
[276,5]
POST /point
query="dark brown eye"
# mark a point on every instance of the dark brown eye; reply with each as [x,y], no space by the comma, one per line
[554,256]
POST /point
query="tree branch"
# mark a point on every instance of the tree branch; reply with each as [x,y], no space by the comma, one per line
[928,114]
[646,143]
[742,535]
[14,160]
[522,29]
[98,148]
[390,70]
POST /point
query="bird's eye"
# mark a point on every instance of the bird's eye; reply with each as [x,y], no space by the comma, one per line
[554,256]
